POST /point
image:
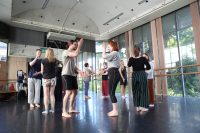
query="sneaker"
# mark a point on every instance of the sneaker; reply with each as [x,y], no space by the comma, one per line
[144,109]
[45,112]
[151,105]
[51,111]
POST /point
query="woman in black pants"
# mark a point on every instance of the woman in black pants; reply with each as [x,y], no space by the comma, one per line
[113,72]
[139,80]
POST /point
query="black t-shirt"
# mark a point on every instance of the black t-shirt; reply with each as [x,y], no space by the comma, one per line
[124,73]
[139,64]
[36,68]
[49,69]
[104,77]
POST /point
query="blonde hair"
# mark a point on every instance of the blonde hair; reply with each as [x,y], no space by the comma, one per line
[50,55]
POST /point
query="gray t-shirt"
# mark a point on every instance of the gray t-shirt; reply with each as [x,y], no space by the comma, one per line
[68,64]
[88,73]
[113,59]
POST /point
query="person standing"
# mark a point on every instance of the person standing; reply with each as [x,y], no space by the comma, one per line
[123,78]
[87,79]
[69,73]
[59,86]
[139,80]
[113,60]
[34,80]
[150,81]
[104,73]
[48,67]
[25,81]
[20,78]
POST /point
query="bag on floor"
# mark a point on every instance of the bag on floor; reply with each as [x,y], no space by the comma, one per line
[21,95]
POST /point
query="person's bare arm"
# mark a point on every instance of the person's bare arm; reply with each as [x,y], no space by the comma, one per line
[33,61]
[76,52]
[120,72]
[104,50]
[42,68]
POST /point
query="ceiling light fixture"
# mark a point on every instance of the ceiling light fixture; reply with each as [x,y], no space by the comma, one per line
[45,4]
[116,17]
[141,2]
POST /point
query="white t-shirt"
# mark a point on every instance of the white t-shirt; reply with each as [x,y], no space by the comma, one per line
[151,71]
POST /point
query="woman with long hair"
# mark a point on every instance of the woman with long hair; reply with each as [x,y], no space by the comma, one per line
[113,60]
[123,78]
[139,80]
[48,67]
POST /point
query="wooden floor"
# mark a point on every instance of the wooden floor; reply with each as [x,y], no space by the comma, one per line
[170,115]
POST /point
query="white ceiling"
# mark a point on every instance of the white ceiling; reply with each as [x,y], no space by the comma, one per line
[88,16]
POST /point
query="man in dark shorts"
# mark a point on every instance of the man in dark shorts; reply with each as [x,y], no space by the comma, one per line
[69,73]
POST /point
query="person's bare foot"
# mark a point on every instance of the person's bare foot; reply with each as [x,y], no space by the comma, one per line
[112,113]
[66,115]
[32,105]
[138,109]
[87,97]
[73,111]
[37,105]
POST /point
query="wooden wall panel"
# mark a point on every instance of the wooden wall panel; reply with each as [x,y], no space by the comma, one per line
[3,70]
[161,53]
[156,57]
[159,56]
[14,64]
[196,29]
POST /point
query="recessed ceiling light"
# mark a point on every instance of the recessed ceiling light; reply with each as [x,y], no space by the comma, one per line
[41,16]
[58,20]
[142,1]
[23,1]
[132,10]
[73,23]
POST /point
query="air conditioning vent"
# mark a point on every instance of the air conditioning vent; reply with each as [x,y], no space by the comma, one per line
[60,37]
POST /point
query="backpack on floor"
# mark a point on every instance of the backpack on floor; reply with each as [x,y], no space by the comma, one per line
[21,95]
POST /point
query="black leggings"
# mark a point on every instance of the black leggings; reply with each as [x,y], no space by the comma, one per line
[114,77]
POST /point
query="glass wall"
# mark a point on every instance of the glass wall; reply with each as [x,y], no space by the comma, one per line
[180,51]
[86,57]
[142,38]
